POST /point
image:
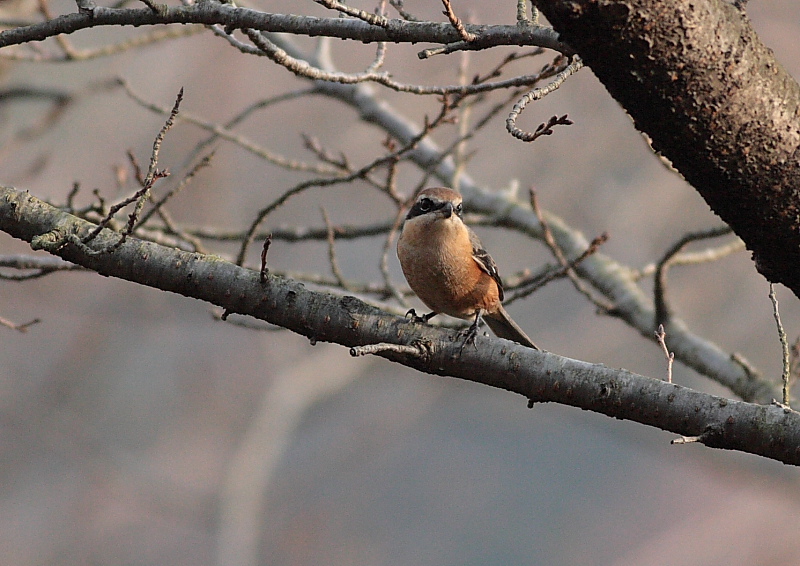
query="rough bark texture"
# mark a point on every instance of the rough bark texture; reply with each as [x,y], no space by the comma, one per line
[696,78]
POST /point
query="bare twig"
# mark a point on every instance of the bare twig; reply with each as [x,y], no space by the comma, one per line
[71,53]
[23,327]
[295,233]
[225,133]
[522,14]
[384,263]
[60,101]
[662,310]
[337,273]
[33,266]
[661,336]
[372,19]
[157,9]
[532,284]
[536,94]
[457,24]
[380,53]
[786,374]
[142,195]
[399,6]
[557,252]
[693,258]
[460,156]
[303,69]
[159,204]
[313,144]
[264,251]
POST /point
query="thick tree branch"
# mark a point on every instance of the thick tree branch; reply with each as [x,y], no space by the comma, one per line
[770,431]
[697,79]
[211,13]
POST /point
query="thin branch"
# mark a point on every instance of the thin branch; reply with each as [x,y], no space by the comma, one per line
[558,253]
[787,365]
[187,179]
[457,23]
[400,7]
[295,233]
[372,19]
[72,54]
[536,94]
[19,327]
[303,69]
[661,336]
[662,309]
[530,285]
[337,273]
[688,439]
[226,134]
[264,271]
[153,173]
[60,102]
[693,258]
[387,246]
[33,267]
[522,14]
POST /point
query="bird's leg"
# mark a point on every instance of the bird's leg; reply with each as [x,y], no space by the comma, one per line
[472,332]
[424,318]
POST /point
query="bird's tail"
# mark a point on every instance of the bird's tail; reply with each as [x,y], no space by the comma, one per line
[505,327]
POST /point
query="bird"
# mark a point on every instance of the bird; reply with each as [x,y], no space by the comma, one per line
[448,268]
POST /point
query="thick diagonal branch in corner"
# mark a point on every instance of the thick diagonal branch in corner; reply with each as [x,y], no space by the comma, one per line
[697,79]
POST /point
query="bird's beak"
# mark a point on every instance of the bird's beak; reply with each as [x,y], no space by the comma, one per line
[447,210]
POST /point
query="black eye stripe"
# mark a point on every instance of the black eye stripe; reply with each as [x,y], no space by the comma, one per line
[426,205]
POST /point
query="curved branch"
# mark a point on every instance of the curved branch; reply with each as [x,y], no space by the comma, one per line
[698,80]
[771,431]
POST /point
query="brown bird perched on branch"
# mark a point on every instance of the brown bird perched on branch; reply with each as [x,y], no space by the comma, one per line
[446,266]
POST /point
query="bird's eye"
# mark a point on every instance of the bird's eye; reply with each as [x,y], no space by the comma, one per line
[425,204]
[459,209]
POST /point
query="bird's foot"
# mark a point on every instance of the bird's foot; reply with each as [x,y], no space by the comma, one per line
[471,333]
[415,318]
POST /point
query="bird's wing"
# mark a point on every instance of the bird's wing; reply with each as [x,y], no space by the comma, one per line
[485,261]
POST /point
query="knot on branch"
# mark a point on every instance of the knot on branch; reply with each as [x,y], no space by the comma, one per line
[420,349]
[158,9]
[87,7]
[51,241]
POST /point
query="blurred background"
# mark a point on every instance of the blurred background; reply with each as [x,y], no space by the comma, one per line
[137,429]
